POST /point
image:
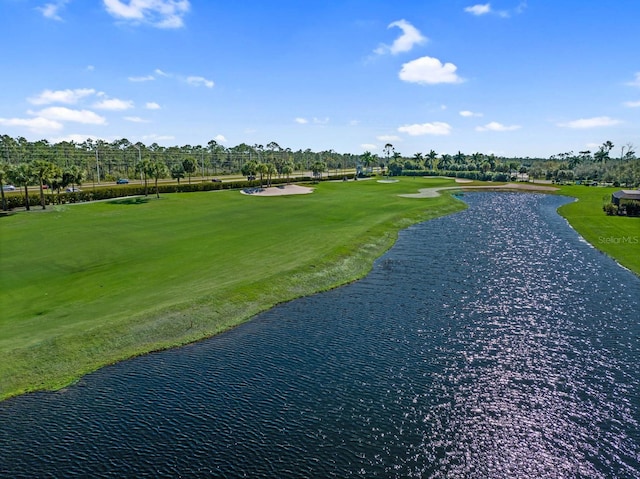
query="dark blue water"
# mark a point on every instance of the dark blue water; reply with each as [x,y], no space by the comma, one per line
[491,343]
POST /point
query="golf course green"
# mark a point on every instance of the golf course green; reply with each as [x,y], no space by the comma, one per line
[617,236]
[83,286]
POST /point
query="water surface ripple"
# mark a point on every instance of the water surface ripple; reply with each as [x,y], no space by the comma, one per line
[490,343]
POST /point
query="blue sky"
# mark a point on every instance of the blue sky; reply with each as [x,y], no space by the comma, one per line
[510,77]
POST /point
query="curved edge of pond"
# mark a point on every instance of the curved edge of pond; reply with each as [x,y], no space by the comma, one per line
[235,310]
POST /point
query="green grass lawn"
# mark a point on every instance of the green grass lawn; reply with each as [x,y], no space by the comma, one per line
[82,286]
[617,236]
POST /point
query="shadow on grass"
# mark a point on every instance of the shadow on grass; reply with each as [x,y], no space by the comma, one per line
[138,200]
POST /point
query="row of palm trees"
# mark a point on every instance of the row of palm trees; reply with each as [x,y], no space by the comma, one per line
[48,175]
[39,172]
[267,170]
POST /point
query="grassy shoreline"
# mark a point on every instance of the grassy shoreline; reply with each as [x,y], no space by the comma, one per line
[85,286]
[616,236]
[181,271]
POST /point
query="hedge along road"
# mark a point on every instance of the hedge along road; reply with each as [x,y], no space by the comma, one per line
[84,286]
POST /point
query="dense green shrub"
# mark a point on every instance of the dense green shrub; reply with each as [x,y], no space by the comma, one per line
[469,175]
[632,207]
[502,177]
[610,209]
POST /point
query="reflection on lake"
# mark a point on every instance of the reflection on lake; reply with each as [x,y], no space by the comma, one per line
[490,343]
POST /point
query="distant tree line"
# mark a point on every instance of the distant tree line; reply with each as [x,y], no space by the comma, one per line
[602,166]
[67,164]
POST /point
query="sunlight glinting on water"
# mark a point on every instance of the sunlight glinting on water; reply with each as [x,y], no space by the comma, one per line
[491,343]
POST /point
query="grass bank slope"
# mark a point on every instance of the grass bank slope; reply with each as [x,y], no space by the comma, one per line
[617,236]
[84,286]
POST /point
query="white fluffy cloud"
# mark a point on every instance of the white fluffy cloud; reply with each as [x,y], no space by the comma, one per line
[410,37]
[76,138]
[68,96]
[469,114]
[484,9]
[429,71]
[159,13]
[220,138]
[136,119]
[495,126]
[301,121]
[632,104]
[50,10]
[114,104]
[142,79]
[152,105]
[36,125]
[388,138]
[479,9]
[596,122]
[199,81]
[434,128]
[155,137]
[61,113]
[636,81]
[368,146]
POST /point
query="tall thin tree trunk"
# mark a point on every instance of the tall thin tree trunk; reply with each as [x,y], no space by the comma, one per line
[26,198]
[42,202]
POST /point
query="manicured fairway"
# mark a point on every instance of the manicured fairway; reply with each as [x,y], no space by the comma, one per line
[83,286]
[618,236]
[86,285]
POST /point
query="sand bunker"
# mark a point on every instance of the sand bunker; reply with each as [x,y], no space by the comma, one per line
[433,192]
[278,190]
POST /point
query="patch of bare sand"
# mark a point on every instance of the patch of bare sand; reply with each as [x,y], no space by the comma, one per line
[433,192]
[278,190]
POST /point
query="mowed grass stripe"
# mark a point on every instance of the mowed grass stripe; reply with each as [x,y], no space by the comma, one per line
[87,285]
[617,236]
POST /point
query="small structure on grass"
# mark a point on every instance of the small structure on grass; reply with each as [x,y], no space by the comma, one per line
[618,197]
[624,202]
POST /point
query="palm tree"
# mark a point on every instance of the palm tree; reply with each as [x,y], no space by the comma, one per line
[287,169]
[143,167]
[477,159]
[43,171]
[177,172]
[189,167]
[317,168]
[388,151]
[4,173]
[431,159]
[74,175]
[271,170]
[445,161]
[22,175]
[603,152]
[250,169]
[157,170]
[367,160]
[262,169]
